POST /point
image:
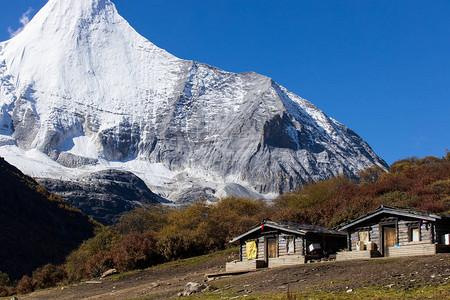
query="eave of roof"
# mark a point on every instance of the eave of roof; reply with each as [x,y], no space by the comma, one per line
[284,226]
[394,211]
[258,227]
[250,231]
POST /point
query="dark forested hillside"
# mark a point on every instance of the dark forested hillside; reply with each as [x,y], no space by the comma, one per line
[36,227]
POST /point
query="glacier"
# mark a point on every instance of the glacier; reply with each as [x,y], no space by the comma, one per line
[81,92]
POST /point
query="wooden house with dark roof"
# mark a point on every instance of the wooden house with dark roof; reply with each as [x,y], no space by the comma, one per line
[275,243]
[394,232]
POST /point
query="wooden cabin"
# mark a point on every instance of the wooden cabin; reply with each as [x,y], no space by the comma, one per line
[275,243]
[394,232]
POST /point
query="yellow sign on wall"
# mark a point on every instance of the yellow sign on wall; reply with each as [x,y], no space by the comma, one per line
[252,250]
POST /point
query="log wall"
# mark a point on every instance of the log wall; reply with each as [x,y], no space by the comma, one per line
[412,250]
[259,244]
[374,236]
[287,260]
[249,265]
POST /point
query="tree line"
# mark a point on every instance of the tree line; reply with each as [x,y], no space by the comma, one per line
[155,234]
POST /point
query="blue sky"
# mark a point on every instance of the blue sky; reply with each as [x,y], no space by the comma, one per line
[380,67]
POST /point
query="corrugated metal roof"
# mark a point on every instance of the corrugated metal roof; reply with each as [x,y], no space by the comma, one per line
[407,212]
[300,229]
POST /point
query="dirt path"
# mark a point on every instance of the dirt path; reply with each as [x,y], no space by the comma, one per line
[160,283]
[167,282]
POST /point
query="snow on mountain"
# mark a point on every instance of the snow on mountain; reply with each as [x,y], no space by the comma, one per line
[83,89]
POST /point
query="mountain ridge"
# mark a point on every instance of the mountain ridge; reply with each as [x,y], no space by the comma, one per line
[104,195]
[102,95]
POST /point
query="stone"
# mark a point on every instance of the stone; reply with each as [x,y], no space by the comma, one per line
[194,287]
[154,285]
[104,195]
[93,282]
[108,273]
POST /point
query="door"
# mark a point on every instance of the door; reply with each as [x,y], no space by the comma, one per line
[389,239]
[272,248]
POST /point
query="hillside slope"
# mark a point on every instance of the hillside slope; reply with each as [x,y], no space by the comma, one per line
[36,227]
[402,278]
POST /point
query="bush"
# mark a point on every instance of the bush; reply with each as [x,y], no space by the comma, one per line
[136,251]
[76,265]
[176,244]
[49,276]
[105,240]
[99,263]
[371,174]
[143,219]
[441,187]
[26,285]
[4,279]
[396,198]
[6,291]
[232,216]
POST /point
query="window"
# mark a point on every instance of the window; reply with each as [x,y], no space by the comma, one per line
[364,236]
[363,240]
[414,233]
[290,245]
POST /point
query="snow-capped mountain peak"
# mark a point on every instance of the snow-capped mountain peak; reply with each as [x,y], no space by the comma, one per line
[82,87]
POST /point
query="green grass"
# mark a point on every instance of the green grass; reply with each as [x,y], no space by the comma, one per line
[119,276]
[441,291]
[180,263]
[194,261]
[426,292]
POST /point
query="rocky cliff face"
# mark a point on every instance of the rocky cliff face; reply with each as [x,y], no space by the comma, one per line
[79,85]
[104,195]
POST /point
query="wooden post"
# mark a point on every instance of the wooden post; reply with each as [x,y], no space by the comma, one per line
[433,233]
[349,241]
[240,250]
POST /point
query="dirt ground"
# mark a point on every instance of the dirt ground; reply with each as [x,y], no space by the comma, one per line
[167,281]
[401,273]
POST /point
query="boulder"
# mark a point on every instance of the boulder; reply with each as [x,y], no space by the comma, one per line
[108,273]
[193,287]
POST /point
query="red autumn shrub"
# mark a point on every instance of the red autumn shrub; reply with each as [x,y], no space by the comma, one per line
[136,251]
[6,291]
[26,285]
[99,263]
